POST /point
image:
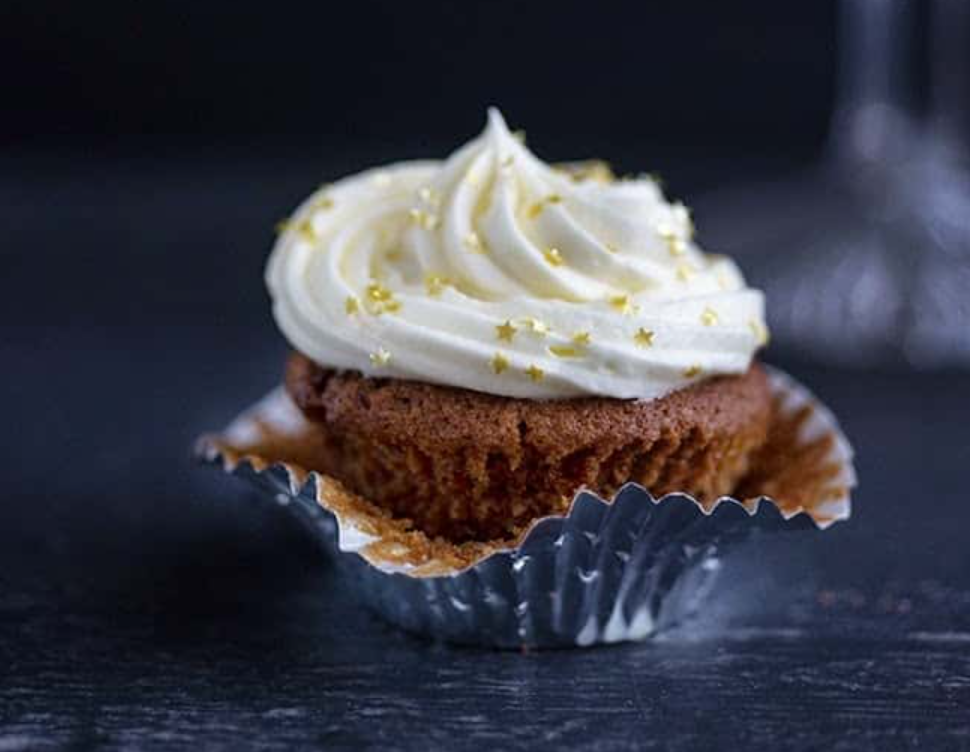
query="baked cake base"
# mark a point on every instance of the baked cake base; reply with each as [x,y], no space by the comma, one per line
[469,466]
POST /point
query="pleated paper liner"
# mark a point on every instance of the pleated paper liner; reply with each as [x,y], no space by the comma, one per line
[607,571]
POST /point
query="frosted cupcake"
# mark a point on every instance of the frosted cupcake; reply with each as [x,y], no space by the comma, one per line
[477,339]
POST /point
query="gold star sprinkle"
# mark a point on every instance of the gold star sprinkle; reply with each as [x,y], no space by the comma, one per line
[505,331]
[760,332]
[434,284]
[581,338]
[378,293]
[536,327]
[423,219]
[536,209]
[381,300]
[676,247]
[351,305]
[499,363]
[691,372]
[283,225]
[562,351]
[685,271]
[623,304]
[643,337]
[553,256]
[380,358]
[323,203]
[611,248]
[306,231]
[535,373]
[473,242]
[709,317]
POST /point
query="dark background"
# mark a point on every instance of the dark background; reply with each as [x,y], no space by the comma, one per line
[319,78]
[146,150]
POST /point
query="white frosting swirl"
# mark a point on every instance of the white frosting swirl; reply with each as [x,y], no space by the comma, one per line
[496,272]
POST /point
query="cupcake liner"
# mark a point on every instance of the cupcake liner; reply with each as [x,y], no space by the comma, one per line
[607,571]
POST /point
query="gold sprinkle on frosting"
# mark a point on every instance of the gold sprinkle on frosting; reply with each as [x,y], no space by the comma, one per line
[536,209]
[351,305]
[760,332]
[564,351]
[380,358]
[473,242]
[623,304]
[643,337]
[535,373]
[692,371]
[685,271]
[429,196]
[581,338]
[507,161]
[535,326]
[283,225]
[553,256]
[307,232]
[323,203]
[423,219]
[499,363]
[434,284]
[709,317]
[381,300]
[506,331]
[676,247]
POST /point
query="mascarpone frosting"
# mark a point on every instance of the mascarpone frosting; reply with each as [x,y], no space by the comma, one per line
[496,272]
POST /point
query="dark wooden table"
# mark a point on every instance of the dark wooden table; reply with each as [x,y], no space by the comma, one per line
[147,603]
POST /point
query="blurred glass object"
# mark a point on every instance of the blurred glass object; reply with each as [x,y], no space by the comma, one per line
[866,258]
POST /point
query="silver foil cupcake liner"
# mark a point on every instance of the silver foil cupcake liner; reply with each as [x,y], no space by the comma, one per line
[607,571]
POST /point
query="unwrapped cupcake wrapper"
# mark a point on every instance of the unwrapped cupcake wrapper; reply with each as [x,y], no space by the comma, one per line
[607,571]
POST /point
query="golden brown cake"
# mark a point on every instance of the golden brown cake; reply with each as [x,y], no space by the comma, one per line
[467,465]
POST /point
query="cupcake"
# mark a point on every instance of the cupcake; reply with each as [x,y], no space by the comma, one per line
[523,407]
[477,339]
